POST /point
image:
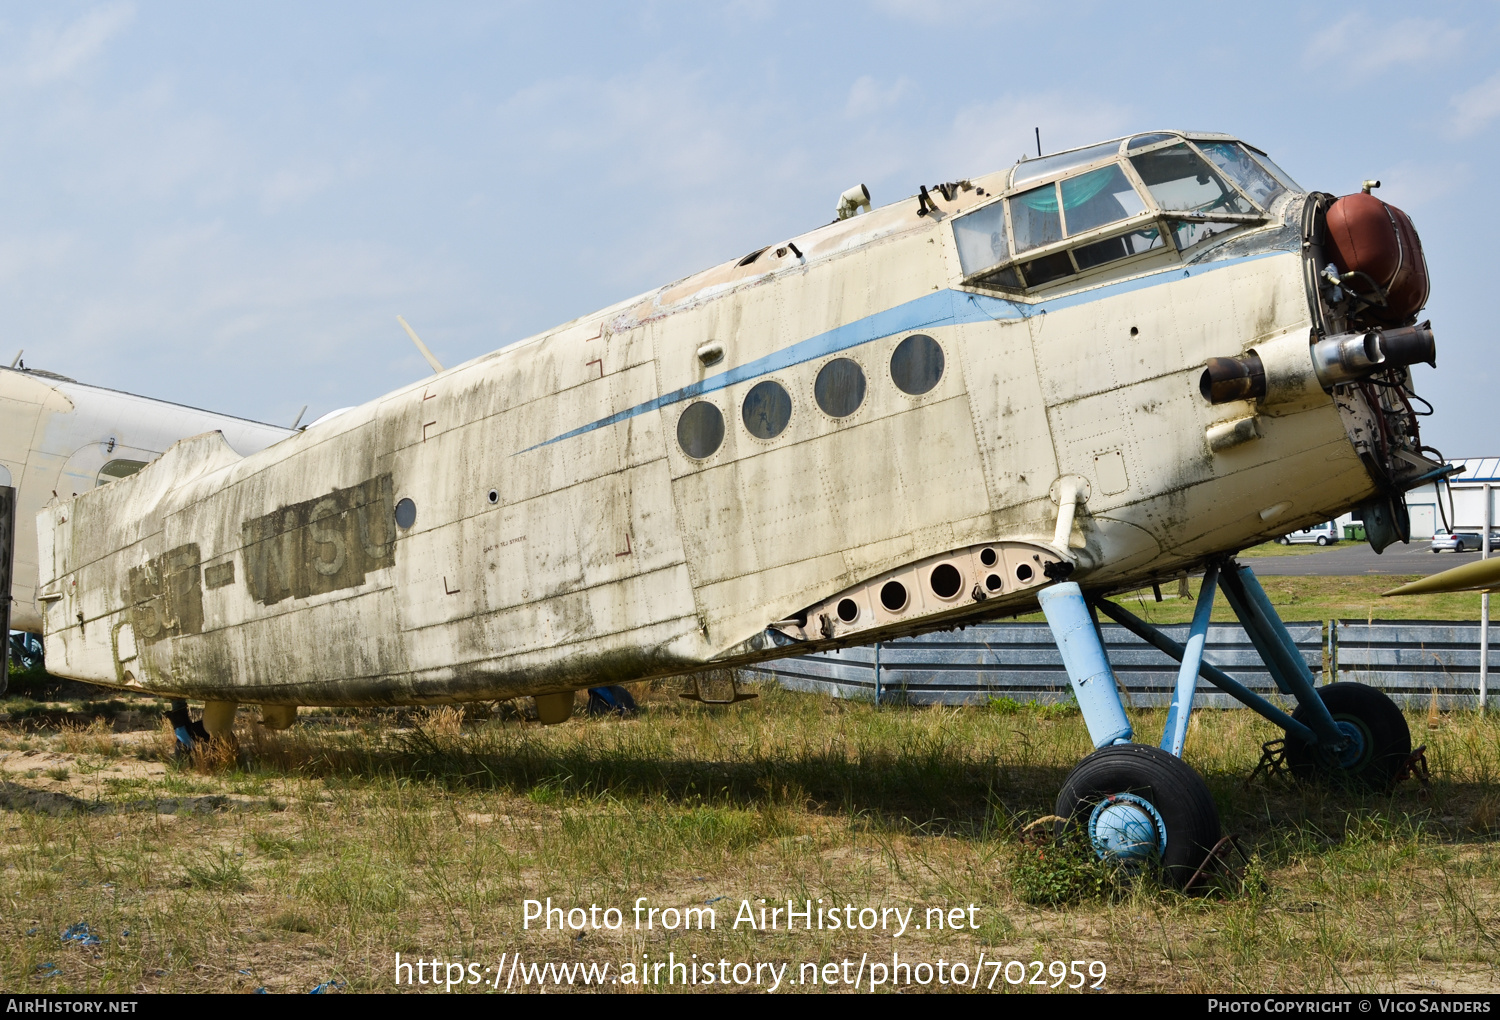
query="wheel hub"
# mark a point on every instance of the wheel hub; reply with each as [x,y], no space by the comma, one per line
[1354,750]
[1128,828]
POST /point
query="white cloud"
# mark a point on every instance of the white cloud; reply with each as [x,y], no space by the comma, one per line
[53,54]
[867,97]
[287,187]
[1474,109]
[1413,185]
[991,136]
[1367,46]
[941,12]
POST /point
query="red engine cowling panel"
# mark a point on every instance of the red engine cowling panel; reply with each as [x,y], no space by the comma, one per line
[1365,235]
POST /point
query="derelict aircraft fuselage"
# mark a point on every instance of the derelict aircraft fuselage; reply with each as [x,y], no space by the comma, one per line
[1109,365]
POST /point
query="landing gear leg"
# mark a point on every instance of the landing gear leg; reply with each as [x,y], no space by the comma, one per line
[1349,732]
[1137,803]
[189,732]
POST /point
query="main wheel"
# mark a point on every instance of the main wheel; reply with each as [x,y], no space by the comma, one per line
[1139,804]
[1379,739]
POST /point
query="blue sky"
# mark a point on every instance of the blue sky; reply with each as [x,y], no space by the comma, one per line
[228,205]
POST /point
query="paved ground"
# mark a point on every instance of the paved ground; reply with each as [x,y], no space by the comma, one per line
[1351,558]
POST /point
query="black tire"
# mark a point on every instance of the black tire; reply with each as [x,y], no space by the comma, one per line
[1283,540]
[1168,783]
[1322,539]
[1385,736]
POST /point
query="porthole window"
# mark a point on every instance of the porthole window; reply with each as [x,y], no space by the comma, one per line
[840,387]
[917,364]
[767,409]
[893,596]
[946,581]
[406,514]
[700,430]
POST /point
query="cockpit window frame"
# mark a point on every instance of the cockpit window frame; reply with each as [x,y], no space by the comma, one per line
[1009,275]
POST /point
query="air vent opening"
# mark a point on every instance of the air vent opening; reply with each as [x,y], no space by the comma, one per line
[848,610]
[1024,573]
[989,557]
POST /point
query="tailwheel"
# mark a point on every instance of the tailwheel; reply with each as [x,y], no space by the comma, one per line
[1141,805]
[1379,739]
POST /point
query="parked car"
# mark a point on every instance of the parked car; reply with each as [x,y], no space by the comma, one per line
[1464,541]
[1321,534]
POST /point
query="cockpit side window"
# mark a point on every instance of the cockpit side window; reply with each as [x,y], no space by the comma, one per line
[1182,182]
[1237,164]
[1034,218]
[980,237]
[1098,197]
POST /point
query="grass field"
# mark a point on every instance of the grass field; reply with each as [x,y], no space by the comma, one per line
[316,855]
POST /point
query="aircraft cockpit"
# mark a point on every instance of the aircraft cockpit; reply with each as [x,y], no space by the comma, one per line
[1075,212]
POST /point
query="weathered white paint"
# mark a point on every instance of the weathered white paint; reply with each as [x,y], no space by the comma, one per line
[56,435]
[563,539]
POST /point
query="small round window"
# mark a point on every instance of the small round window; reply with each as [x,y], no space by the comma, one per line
[917,364]
[700,430]
[406,513]
[768,408]
[840,387]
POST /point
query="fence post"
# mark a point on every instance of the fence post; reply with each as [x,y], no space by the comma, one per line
[1484,610]
[7,561]
[877,674]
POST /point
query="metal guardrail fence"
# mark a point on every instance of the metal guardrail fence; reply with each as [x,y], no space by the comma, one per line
[1407,659]
[1019,661]
[1414,661]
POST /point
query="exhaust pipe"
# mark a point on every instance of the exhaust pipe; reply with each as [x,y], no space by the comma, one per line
[1350,357]
[1226,379]
[1409,345]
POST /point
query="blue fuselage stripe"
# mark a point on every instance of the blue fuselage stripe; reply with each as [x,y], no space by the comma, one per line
[940,308]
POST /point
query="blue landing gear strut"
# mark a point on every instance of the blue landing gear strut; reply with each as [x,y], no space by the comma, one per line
[1142,802]
[189,731]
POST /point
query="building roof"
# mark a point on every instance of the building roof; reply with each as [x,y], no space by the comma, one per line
[1477,469]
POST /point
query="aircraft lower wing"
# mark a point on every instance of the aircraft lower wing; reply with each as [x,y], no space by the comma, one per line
[1481,576]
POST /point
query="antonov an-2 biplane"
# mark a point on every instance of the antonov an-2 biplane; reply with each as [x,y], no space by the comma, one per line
[1084,374]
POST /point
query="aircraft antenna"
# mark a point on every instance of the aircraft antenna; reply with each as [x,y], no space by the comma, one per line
[17,359]
[436,365]
[1039,142]
[299,418]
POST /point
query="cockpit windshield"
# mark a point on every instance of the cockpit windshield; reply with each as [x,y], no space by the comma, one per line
[1181,181]
[1237,164]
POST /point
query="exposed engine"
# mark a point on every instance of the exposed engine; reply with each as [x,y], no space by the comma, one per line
[1370,279]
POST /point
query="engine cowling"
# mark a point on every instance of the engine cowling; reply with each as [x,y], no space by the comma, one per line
[1379,257]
